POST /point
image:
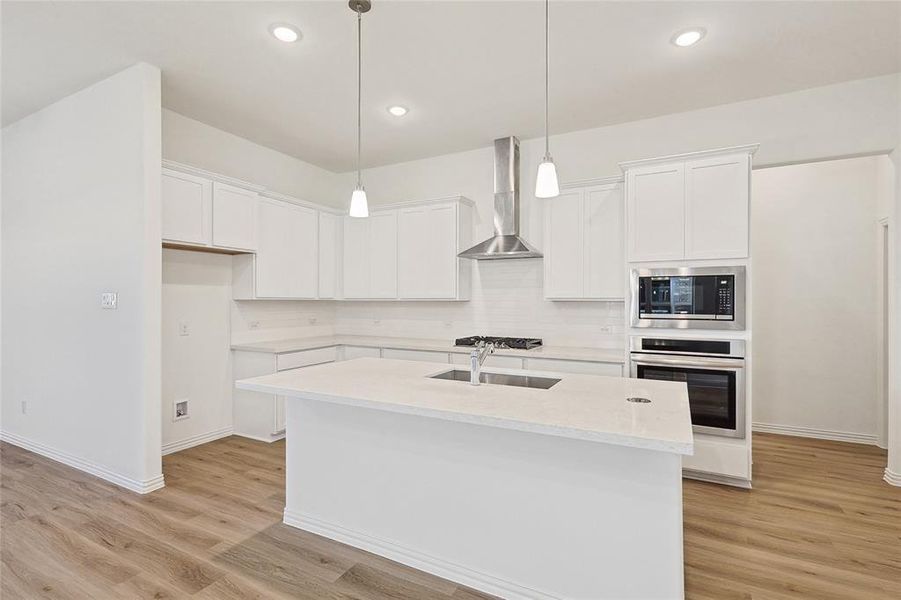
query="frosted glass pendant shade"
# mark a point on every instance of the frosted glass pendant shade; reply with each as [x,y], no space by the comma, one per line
[359,206]
[546,182]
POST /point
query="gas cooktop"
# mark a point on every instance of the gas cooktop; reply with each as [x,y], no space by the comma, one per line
[500,342]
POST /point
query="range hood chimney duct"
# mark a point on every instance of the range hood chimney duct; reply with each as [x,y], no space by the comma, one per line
[506,242]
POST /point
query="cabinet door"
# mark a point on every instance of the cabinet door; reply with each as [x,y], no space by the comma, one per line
[328,255]
[234,217]
[383,255]
[564,248]
[604,244]
[356,257]
[716,207]
[287,254]
[414,253]
[303,252]
[427,252]
[656,212]
[186,214]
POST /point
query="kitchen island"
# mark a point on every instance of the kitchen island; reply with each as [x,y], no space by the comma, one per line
[567,492]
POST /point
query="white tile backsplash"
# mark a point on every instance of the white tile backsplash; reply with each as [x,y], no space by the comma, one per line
[258,320]
[507,299]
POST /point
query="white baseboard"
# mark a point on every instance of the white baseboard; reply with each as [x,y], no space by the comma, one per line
[135,485]
[268,440]
[714,478]
[820,434]
[196,440]
[892,478]
[417,560]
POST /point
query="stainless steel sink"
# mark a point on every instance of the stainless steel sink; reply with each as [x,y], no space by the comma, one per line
[528,381]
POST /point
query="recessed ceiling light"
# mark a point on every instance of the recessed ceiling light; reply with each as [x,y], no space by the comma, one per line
[285,32]
[398,110]
[689,37]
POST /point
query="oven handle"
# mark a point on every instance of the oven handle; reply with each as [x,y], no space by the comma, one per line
[689,361]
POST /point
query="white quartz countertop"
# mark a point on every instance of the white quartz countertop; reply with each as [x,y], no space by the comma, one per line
[556,352]
[585,407]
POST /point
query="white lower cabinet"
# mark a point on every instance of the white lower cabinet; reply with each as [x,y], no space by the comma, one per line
[584,248]
[262,416]
[352,352]
[501,362]
[420,355]
[574,366]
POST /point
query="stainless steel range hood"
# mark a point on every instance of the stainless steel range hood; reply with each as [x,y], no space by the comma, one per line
[506,242]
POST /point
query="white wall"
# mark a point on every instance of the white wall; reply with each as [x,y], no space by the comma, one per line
[197,292]
[852,118]
[192,142]
[817,307]
[81,216]
[893,469]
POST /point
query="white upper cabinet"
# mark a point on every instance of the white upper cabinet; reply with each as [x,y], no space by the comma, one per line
[186,208]
[689,207]
[287,253]
[383,255]
[716,207]
[328,254]
[564,254]
[356,258]
[656,204]
[429,237]
[234,217]
[370,256]
[604,243]
[583,255]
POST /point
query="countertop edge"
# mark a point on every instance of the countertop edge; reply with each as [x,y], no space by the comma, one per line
[673,447]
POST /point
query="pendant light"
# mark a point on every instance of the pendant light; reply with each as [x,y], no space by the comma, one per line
[359,206]
[546,181]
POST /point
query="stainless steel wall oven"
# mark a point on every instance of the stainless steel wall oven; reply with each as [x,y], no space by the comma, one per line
[714,371]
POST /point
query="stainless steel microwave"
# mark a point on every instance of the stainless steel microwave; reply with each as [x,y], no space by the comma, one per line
[689,298]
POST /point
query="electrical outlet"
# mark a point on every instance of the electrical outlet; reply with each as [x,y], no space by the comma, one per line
[184,328]
[312,320]
[109,300]
[254,324]
[181,410]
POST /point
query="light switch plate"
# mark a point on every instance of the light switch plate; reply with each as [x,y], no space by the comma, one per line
[109,300]
[184,328]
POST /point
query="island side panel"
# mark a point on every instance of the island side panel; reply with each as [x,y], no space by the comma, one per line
[516,514]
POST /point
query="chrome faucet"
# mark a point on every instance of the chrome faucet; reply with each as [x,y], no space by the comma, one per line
[476,358]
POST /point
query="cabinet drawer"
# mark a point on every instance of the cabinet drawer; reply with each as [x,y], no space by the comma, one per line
[305,358]
[503,362]
[420,355]
[351,352]
[575,366]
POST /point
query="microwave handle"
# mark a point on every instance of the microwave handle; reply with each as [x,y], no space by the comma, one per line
[689,361]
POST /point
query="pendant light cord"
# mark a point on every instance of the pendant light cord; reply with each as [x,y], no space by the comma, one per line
[359,95]
[547,149]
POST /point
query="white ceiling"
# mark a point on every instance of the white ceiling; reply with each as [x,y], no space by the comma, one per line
[469,71]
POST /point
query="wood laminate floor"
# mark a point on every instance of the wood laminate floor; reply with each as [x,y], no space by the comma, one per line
[820,524]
